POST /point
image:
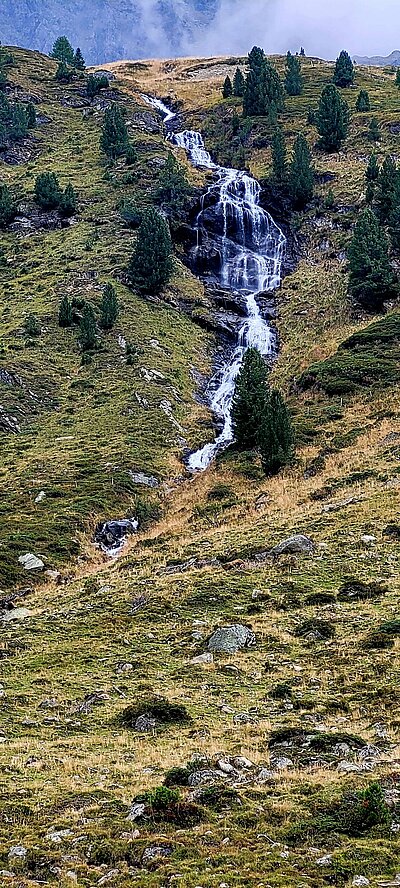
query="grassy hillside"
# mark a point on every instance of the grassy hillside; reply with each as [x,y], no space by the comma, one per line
[313,705]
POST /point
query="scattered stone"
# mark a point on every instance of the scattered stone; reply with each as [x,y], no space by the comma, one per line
[244,718]
[282,763]
[17,852]
[7,874]
[335,507]
[108,877]
[326,860]
[368,541]
[204,777]
[360,881]
[144,724]
[368,752]
[295,545]
[202,659]
[40,497]
[153,852]
[241,762]
[31,561]
[145,480]
[53,575]
[231,639]
[265,776]
[137,811]
[58,835]
[345,767]
[17,613]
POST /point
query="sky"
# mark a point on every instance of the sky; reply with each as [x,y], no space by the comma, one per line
[323,27]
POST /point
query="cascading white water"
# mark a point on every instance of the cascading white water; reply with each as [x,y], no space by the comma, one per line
[252,247]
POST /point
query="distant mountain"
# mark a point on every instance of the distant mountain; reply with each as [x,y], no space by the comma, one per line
[106,30]
[378,61]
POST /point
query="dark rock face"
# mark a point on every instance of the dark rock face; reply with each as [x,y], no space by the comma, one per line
[112,534]
[106,30]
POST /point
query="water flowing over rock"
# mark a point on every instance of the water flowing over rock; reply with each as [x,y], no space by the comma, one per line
[111,535]
[247,253]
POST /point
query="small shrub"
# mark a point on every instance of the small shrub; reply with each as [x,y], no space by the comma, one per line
[321,628]
[320,598]
[356,590]
[220,492]
[218,797]
[158,708]
[177,777]
[32,326]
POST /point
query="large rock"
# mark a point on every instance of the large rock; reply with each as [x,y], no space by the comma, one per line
[31,562]
[295,545]
[112,534]
[231,639]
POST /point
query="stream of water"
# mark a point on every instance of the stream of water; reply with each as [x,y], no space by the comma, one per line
[252,249]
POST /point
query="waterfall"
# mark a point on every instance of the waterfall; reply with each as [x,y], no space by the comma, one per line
[252,248]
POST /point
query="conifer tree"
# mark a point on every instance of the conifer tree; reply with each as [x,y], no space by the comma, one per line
[394,218]
[65,314]
[109,307]
[386,190]
[7,206]
[301,173]
[363,102]
[263,91]
[68,201]
[372,171]
[151,264]
[63,51]
[63,73]
[239,84]
[302,51]
[371,278]
[332,119]
[279,158]
[130,155]
[276,440]
[273,89]
[31,115]
[114,138]
[227,89]
[344,70]
[87,328]
[250,399]
[398,77]
[47,191]
[79,61]
[172,189]
[293,76]
[18,122]
[374,132]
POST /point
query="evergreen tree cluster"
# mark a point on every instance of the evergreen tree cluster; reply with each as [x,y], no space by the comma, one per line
[94,85]
[344,70]
[260,417]
[64,53]
[50,196]
[263,92]
[332,119]
[16,120]
[6,59]
[8,209]
[371,278]
[173,189]
[297,178]
[79,312]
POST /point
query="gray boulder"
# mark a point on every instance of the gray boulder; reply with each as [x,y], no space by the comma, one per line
[205,777]
[231,639]
[31,562]
[295,545]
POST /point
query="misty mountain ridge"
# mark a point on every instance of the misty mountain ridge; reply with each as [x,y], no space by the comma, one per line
[107,30]
[380,61]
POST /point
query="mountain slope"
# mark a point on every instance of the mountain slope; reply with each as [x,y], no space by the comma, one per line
[105,29]
[380,61]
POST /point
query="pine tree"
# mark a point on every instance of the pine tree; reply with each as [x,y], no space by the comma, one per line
[62,51]
[94,85]
[302,51]
[239,84]
[394,218]
[68,201]
[18,123]
[151,264]
[47,191]
[279,158]
[276,440]
[301,173]
[372,171]
[31,115]
[63,73]
[363,103]
[79,61]
[250,399]
[263,91]
[398,77]
[371,278]
[172,189]
[332,119]
[374,133]
[87,328]
[8,209]
[65,315]
[386,190]
[344,70]
[293,76]
[109,308]
[227,89]
[114,138]
[130,155]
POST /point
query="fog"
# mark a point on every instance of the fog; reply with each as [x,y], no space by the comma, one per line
[363,27]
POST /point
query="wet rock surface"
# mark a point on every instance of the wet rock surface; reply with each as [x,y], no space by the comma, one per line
[111,535]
